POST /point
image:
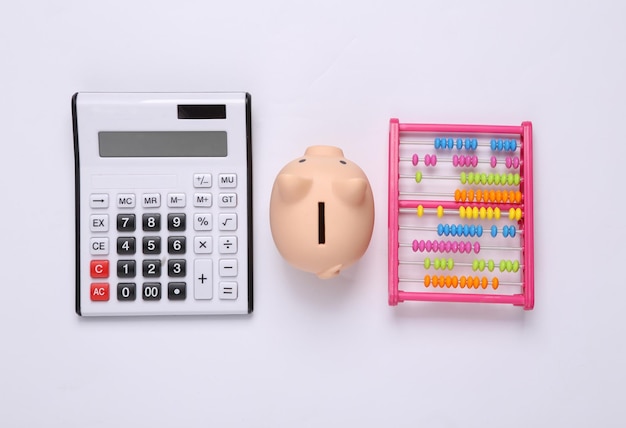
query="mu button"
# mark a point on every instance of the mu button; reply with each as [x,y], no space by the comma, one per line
[99,292]
[99,268]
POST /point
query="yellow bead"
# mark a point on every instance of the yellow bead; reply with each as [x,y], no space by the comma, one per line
[489,213]
[496,213]
[483,212]
[462,212]
[512,214]
[439,211]
[475,212]
[420,210]
[518,214]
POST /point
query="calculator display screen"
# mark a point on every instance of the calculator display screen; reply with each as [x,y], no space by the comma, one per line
[122,144]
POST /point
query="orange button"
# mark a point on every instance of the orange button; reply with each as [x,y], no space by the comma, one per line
[100,292]
[99,268]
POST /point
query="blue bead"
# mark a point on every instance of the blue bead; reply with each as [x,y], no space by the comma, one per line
[505,231]
[440,229]
[453,230]
[450,143]
[436,142]
[446,229]
[475,143]
[459,143]
[465,230]
[512,231]
[493,144]
[506,145]
[494,231]
[472,230]
[479,231]
[500,145]
[514,145]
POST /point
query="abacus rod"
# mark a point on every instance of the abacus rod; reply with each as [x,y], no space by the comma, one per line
[420,263]
[422,281]
[424,228]
[402,244]
[515,299]
[450,205]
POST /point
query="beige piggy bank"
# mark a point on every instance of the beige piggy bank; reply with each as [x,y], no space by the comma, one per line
[322,212]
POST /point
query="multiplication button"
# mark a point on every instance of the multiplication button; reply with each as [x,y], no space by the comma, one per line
[203,245]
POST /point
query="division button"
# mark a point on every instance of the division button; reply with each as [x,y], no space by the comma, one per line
[228,244]
[228,290]
[176,291]
[203,279]
[99,223]
[99,200]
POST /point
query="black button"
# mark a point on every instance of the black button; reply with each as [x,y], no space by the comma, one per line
[126,222]
[126,268]
[176,291]
[151,268]
[151,222]
[125,245]
[126,291]
[176,222]
[176,245]
[151,245]
[151,291]
[176,267]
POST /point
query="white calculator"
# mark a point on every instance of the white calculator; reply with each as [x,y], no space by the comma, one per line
[163,203]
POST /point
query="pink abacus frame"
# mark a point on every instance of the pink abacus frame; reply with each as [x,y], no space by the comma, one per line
[524,298]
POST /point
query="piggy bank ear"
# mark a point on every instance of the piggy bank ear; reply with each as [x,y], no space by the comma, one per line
[350,190]
[292,188]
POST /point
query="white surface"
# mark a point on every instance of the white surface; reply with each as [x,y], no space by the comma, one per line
[322,353]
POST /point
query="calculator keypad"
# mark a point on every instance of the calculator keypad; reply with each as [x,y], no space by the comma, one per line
[153,246]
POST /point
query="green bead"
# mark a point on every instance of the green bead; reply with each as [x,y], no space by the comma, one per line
[450,264]
[470,178]
[475,265]
[427,263]
[509,265]
[463,177]
[481,265]
[516,266]
[516,179]
[437,264]
[490,265]
[418,176]
[496,179]
[509,179]
[483,178]
[502,266]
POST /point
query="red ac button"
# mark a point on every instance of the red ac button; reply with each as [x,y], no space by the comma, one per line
[99,268]
[99,292]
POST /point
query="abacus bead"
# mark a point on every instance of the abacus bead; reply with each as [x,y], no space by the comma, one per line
[489,213]
[440,229]
[450,264]
[468,144]
[420,210]
[435,246]
[461,160]
[427,280]
[448,246]
[468,247]
[493,144]
[435,281]
[463,195]
[502,266]
[496,213]
[511,213]
[499,196]
[428,246]
[433,160]
[515,265]
[493,161]
[483,178]
[492,195]
[516,179]
[455,247]
[448,281]
[479,231]
[475,143]
[459,143]
[496,179]
[490,179]
[495,283]
[415,159]
[439,211]
[474,160]
[509,265]
[463,177]
[476,247]
[465,230]
[518,214]
[418,176]
[476,282]
[483,212]
[512,196]
[427,160]
[514,145]
[470,178]
[462,281]
[508,162]
[512,231]
[427,263]
[470,195]
[505,231]
[437,142]
[475,212]
[475,265]
[450,143]
[481,265]
[457,195]
[515,162]
[455,160]
[422,245]
[491,265]
[455,281]
[453,229]
[472,230]
[479,195]
[462,212]
[436,264]
[461,247]
[415,245]
[509,179]
[499,145]
[484,282]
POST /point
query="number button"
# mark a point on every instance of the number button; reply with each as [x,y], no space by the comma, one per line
[151,222]
[176,222]
[126,222]
[151,268]
[176,268]
[176,245]
[151,245]
[125,245]
[151,291]
[126,291]
[126,269]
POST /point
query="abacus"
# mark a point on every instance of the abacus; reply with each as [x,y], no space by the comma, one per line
[461,203]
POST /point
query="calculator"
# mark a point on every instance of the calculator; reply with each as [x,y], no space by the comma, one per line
[163,203]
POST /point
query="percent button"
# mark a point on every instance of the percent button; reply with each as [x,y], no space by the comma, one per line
[202,221]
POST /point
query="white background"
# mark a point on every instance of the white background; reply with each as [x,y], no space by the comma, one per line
[322,353]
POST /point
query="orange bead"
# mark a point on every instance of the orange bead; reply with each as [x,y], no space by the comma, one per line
[495,283]
[463,280]
[448,281]
[463,195]
[484,282]
[427,280]
[479,195]
[455,281]
[476,282]
[498,196]
[518,197]
[457,195]
[470,195]
[492,196]
[512,196]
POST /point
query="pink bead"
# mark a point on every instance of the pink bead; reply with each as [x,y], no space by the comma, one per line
[494,161]
[415,245]
[455,160]
[515,162]
[461,248]
[435,246]
[429,246]
[468,247]
[461,160]
[447,246]
[455,247]
[474,161]
[427,160]
[509,162]
[476,247]
[433,160]
[415,159]
[422,246]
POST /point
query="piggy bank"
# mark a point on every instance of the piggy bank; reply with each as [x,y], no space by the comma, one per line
[321,212]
